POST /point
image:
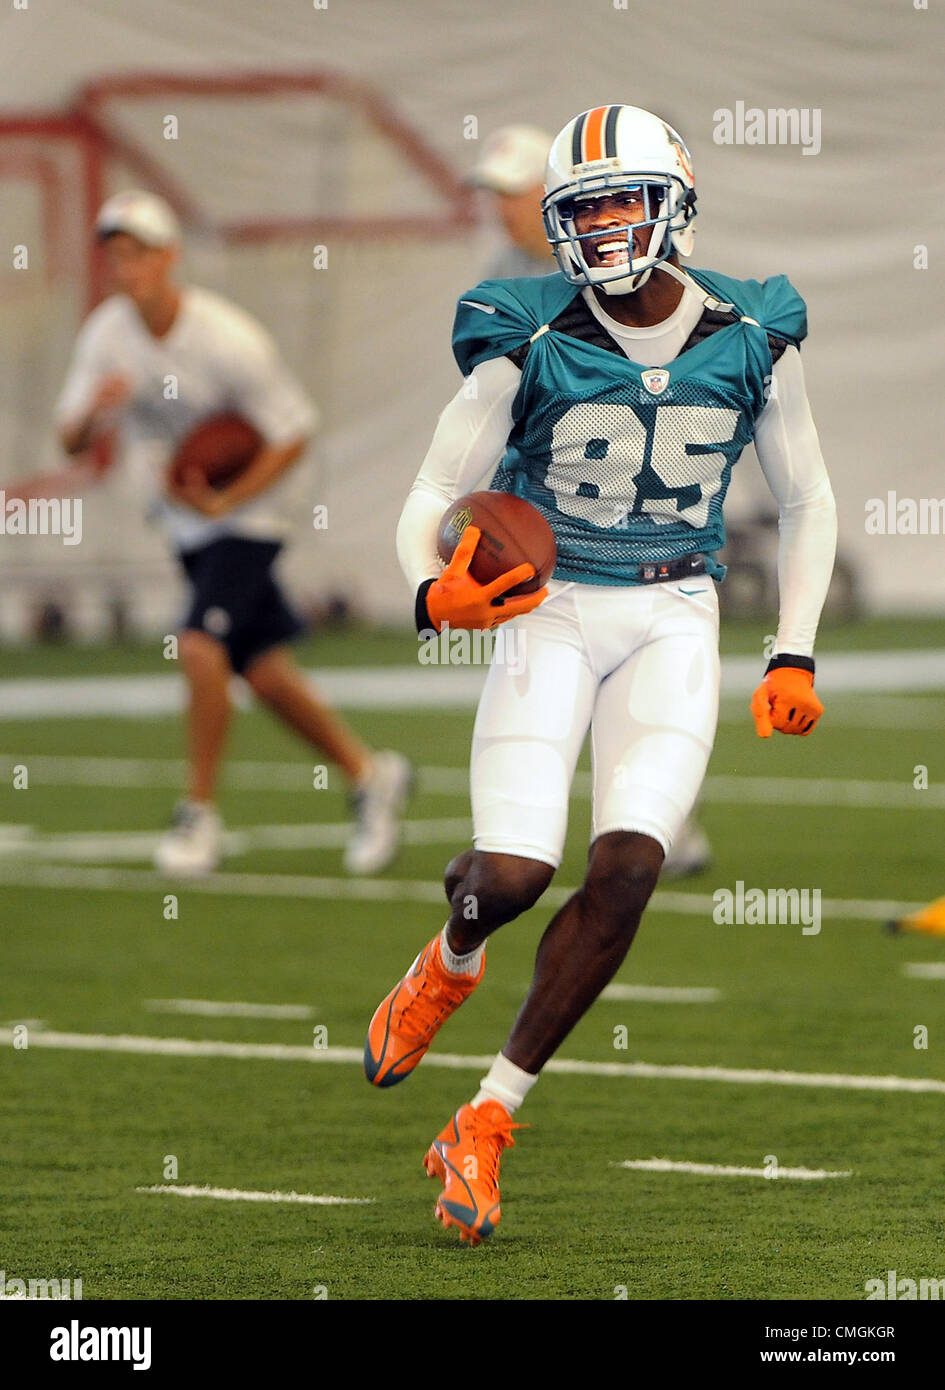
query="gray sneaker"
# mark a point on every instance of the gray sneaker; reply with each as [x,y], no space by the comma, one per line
[194,844]
[379,806]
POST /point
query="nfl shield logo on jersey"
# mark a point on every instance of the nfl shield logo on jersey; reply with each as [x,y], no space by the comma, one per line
[655,379]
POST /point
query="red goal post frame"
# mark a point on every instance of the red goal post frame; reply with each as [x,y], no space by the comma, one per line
[88,129]
[458,217]
[74,130]
[81,135]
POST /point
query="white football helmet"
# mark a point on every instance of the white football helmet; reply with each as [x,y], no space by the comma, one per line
[613,149]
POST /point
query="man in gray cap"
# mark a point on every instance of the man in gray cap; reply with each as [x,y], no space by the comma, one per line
[512,169]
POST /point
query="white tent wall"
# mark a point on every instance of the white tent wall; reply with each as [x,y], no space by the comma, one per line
[842,223]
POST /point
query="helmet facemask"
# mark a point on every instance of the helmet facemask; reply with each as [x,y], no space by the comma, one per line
[668,206]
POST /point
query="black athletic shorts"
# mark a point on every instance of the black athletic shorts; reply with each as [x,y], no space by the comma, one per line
[236,599]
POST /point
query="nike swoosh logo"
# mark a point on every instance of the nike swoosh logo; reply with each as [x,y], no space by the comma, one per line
[693,591]
[474,304]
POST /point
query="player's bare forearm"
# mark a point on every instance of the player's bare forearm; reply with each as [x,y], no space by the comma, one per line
[100,417]
[78,438]
[266,468]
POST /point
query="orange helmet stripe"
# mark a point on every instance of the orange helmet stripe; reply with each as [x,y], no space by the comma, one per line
[593,133]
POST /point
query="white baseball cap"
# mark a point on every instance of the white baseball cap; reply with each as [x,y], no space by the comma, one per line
[513,159]
[142,215]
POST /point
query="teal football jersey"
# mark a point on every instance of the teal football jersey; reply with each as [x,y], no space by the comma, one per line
[629,464]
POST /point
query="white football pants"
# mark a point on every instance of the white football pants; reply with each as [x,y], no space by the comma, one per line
[639,667]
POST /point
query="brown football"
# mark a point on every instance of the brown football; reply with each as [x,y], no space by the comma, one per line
[219,449]
[513,533]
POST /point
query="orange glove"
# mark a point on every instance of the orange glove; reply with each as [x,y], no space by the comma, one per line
[785,699]
[460,601]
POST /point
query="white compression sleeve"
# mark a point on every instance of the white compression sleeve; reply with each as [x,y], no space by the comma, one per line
[789,453]
[470,439]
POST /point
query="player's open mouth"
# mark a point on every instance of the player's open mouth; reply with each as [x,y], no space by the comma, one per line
[609,253]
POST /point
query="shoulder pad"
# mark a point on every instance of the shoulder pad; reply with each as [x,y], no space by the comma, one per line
[500,315]
[774,303]
[785,313]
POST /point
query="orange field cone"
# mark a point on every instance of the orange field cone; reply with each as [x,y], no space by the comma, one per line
[930,920]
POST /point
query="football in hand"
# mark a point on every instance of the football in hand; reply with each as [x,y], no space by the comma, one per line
[218,450]
[513,533]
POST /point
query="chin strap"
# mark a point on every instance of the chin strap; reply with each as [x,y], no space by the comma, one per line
[630,283]
[679,275]
[708,300]
[688,283]
[627,284]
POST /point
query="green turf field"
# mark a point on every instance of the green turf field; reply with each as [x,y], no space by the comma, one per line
[87,945]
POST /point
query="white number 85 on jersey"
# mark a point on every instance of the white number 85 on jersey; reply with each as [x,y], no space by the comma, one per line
[604,458]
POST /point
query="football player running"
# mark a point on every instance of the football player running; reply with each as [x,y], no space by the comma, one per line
[152,331]
[512,170]
[615,396]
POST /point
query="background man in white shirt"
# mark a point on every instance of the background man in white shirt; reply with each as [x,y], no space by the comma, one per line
[155,360]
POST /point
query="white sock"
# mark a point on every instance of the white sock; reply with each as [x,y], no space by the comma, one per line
[506,1083]
[460,965]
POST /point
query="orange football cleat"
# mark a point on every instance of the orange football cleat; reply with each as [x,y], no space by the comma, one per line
[465,1158]
[409,1018]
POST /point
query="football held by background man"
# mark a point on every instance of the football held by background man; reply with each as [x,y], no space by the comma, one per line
[614,396]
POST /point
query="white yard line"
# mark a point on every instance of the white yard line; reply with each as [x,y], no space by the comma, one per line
[301,886]
[286,1052]
[660,994]
[233,1194]
[823,791]
[297,777]
[713,1170]
[925,970]
[153,696]
[412,687]
[97,771]
[213,1008]
[306,886]
[136,845]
